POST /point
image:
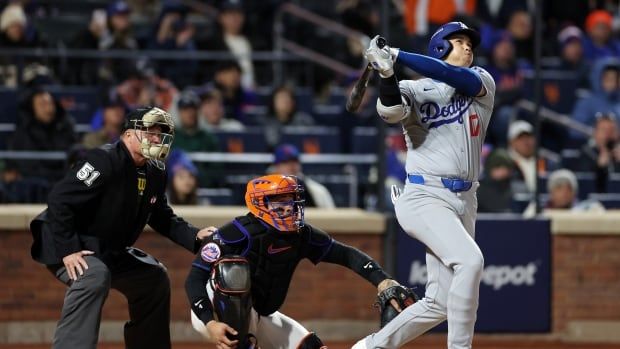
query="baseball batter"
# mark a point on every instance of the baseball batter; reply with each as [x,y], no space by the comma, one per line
[444,118]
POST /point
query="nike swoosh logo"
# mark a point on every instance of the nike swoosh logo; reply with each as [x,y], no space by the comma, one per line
[274,250]
[428,89]
[198,303]
[368,265]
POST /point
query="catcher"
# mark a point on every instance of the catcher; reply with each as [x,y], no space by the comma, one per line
[241,276]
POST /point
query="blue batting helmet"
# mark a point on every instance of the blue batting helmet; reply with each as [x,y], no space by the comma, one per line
[439,46]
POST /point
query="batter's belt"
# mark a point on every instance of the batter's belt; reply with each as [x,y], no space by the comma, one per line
[455,185]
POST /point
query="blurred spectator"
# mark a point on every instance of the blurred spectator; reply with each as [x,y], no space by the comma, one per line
[286,162]
[563,190]
[365,116]
[423,17]
[599,42]
[521,30]
[498,12]
[174,33]
[212,116]
[605,96]
[522,148]
[108,30]
[44,126]
[570,40]
[360,15]
[495,192]
[283,112]
[236,99]
[144,87]
[191,138]
[15,33]
[230,37]
[507,72]
[183,179]
[113,115]
[144,11]
[601,154]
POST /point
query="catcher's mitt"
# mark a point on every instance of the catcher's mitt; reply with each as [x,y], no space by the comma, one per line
[404,296]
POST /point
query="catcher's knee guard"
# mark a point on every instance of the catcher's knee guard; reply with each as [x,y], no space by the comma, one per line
[232,299]
[311,341]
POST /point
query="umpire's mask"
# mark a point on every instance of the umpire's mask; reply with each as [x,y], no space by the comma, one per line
[155,132]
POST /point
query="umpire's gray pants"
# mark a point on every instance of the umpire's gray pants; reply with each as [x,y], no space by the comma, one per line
[146,287]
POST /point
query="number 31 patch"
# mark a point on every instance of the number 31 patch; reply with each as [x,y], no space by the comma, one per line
[87,174]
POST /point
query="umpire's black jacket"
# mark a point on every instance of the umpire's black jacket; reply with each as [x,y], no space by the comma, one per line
[96,207]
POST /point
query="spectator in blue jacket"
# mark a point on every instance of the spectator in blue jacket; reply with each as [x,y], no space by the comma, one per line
[605,96]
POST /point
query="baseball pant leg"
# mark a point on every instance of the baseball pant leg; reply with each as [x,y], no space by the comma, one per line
[454,272]
[147,289]
[278,331]
[81,311]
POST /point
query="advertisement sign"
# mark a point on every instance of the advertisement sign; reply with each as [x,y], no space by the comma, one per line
[515,291]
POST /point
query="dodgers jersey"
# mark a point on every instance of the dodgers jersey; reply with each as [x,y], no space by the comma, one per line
[445,130]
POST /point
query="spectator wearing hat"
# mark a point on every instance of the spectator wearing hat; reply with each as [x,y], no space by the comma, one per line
[599,42]
[604,96]
[190,137]
[563,190]
[229,37]
[108,29]
[15,33]
[174,33]
[570,41]
[237,99]
[601,154]
[495,192]
[522,148]
[113,116]
[183,179]
[507,71]
[286,162]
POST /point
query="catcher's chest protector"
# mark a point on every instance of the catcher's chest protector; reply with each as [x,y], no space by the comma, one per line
[273,258]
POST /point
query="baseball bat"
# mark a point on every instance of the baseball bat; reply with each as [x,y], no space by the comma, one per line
[357,93]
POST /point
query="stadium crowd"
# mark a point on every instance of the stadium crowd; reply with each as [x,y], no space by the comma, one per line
[72,102]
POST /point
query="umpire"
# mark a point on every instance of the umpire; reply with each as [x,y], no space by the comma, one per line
[94,215]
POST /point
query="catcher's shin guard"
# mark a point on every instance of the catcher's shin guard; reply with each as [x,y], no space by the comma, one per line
[311,341]
[232,299]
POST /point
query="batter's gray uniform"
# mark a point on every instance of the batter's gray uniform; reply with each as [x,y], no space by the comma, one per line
[444,133]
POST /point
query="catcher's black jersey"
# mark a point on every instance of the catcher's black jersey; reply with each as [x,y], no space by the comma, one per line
[273,257]
[103,204]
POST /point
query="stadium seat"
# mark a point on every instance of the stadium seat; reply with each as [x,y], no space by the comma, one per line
[251,140]
[609,200]
[558,90]
[215,196]
[8,105]
[313,139]
[80,102]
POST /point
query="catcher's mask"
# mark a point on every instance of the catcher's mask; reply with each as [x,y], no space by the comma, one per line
[278,200]
[155,132]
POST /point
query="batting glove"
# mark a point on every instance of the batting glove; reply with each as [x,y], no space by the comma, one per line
[380,58]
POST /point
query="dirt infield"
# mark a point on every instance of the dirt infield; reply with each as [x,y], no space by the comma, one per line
[432,341]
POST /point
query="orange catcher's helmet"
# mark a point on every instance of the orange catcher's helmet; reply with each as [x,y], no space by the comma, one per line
[278,200]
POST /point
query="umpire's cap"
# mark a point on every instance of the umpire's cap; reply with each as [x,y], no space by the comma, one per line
[439,46]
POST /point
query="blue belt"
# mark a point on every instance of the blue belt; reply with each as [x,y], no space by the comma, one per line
[455,185]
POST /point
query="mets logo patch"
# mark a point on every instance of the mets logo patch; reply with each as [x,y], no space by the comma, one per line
[210,252]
